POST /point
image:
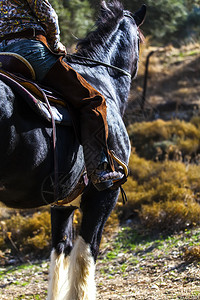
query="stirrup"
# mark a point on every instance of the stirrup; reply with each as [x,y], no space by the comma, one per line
[104,179]
[116,182]
[101,186]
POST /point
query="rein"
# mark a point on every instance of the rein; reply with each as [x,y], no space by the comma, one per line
[100,63]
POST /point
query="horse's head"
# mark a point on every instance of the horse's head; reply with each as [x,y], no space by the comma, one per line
[124,35]
[116,38]
[133,22]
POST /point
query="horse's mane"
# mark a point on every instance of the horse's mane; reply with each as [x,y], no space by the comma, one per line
[110,16]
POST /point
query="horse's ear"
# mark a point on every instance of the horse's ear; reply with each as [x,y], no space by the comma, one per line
[104,9]
[139,15]
[103,6]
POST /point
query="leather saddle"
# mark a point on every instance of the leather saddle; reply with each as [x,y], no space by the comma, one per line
[18,73]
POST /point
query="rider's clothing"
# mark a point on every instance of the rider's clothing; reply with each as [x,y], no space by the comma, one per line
[19,15]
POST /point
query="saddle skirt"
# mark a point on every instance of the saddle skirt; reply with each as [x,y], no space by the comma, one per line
[17,73]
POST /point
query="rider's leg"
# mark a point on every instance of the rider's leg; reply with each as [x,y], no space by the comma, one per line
[34,51]
[91,107]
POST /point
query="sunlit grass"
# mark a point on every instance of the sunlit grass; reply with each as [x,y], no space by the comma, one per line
[159,140]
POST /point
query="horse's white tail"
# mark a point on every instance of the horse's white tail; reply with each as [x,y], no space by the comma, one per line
[58,276]
[81,273]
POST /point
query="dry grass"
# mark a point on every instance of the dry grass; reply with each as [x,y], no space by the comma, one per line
[165,57]
[192,253]
[27,233]
[170,215]
[159,140]
[165,195]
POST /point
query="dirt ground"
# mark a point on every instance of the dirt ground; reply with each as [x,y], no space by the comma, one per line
[158,271]
[160,278]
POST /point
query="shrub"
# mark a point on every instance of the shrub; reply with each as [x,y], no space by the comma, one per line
[192,253]
[170,215]
[28,233]
[196,121]
[159,140]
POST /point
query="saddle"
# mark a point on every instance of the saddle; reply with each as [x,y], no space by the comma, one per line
[18,73]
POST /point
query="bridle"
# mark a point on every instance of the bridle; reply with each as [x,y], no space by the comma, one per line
[100,62]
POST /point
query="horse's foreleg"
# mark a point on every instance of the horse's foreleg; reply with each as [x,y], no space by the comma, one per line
[81,272]
[62,236]
[96,207]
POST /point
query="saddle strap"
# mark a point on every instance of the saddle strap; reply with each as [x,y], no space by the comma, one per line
[77,191]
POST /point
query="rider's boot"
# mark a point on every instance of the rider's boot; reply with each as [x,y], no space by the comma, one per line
[90,108]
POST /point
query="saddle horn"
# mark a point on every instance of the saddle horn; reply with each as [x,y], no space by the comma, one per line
[139,15]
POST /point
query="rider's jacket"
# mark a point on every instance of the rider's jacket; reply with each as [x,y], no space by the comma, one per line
[19,15]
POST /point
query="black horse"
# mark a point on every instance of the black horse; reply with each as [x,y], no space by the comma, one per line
[27,158]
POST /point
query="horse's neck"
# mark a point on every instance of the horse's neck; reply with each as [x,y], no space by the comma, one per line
[114,86]
[115,90]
